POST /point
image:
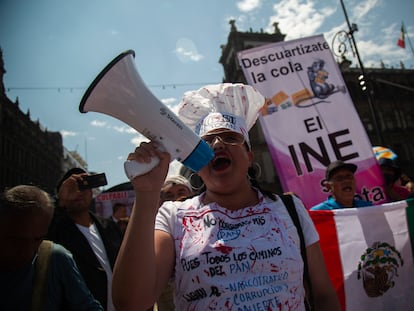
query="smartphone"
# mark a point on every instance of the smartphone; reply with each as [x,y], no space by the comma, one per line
[92,181]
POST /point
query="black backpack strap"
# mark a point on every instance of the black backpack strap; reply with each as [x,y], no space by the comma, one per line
[290,206]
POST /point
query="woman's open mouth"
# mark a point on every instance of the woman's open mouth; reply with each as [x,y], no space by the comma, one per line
[220,163]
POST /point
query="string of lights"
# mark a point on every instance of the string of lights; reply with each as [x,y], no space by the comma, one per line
[74,88]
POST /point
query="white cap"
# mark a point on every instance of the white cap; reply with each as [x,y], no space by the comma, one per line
[226,105]
[178,180]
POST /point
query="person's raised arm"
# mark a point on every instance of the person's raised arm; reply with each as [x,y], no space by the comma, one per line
[145,260]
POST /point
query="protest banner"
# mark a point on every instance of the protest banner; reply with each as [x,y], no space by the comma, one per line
[106,200]
[309,119]
[369,254]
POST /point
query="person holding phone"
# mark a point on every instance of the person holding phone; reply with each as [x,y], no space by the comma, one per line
[93,240]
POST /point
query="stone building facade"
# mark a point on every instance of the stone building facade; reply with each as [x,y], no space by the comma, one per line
[29,153]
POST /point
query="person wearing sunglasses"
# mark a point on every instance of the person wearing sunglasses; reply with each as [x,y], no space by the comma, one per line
[233,246]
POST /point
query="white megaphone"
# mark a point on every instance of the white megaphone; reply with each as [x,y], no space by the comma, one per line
[119,91]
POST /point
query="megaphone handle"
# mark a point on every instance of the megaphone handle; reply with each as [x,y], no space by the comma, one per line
[134,168]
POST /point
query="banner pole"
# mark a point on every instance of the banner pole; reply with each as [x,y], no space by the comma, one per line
[352,28]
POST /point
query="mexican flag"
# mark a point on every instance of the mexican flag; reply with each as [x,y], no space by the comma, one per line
[369,255]
[401,39]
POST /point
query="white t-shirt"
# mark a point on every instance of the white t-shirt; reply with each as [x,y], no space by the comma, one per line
[91,233]
[247,259]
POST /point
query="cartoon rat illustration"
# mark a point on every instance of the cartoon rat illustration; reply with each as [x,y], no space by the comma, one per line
[321,89]
[317,78]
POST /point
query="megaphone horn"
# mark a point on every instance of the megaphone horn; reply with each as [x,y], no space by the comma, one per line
[119,91]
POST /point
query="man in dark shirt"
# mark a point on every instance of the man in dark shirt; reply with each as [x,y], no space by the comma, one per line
[93,241]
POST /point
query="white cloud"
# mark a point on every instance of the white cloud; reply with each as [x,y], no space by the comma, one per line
[373,52]
[66,133]
[98,123]
[362,8]
[188,54]
[120,129]
[124,129]
[138,139]
[248,5]
[299,19]
[169,101]
[186,51]
[302,18]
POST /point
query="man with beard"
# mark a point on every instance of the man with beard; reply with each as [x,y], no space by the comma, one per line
[340,182]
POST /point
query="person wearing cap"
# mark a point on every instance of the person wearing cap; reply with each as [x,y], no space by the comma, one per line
[175,188]
[36,274]
[94,241]
[340,182]
[233,246]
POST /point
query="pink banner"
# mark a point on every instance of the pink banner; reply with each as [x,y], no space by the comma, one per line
[309,119]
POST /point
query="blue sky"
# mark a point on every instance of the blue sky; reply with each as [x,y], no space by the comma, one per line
[53,49]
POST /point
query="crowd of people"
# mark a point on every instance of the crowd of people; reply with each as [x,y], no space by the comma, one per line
[228,245]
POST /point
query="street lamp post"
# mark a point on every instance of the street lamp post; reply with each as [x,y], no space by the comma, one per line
[365,87]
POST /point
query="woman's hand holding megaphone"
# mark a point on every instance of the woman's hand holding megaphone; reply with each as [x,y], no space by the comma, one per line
[151,157]
[145,164]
